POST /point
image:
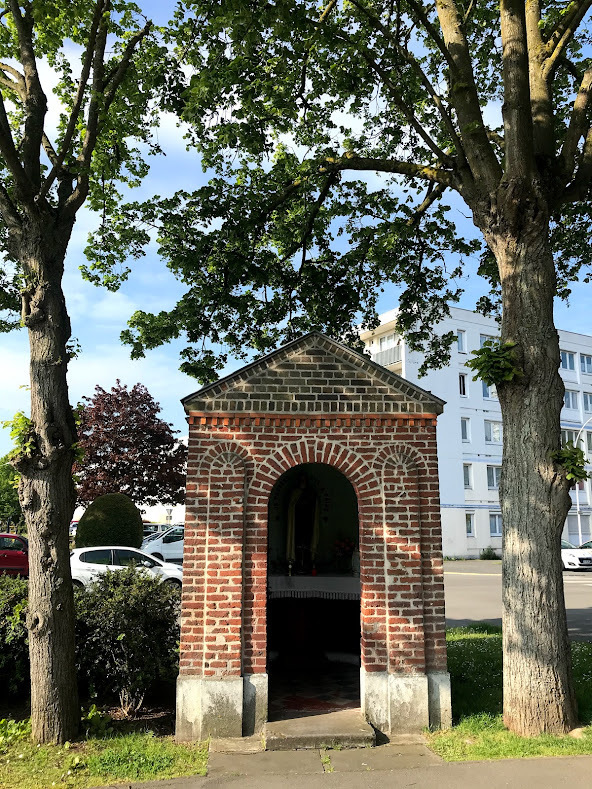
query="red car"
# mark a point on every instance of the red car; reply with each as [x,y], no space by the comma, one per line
[14,555]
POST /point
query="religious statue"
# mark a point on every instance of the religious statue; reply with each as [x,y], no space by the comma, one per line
[303,529]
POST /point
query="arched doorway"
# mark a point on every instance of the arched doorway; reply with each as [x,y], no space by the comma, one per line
[313,626]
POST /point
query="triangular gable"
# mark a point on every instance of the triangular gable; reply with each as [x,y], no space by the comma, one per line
[313,374]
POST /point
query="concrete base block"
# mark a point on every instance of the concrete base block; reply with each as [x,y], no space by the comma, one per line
[440,705]
[395,702]
[255,698]
[209,707]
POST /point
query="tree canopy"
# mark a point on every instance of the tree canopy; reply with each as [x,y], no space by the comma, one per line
[127,448]
[341,142]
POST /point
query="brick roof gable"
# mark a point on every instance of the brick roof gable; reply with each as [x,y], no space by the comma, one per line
[313,374]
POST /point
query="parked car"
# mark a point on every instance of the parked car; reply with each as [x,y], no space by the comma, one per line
[167,546]
[14,555]
[574,558]
[154,528]
[87,563]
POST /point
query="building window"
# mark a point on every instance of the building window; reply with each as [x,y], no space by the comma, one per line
[470,524]
[493,477]
[468,475]
[569,437]
[462,384]
[568,360]
[586,363]
[489,392]
[587,402]
[465,428]
[495,524]
[589,440]
[493,432]
[386,342]
[461,340]
[570,399]
[483,338]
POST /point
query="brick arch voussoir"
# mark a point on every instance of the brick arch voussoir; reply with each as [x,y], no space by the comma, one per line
[225,454]
[352,465]
[402,455]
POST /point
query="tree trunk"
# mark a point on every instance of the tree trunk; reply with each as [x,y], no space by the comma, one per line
[46,489]
[534,494]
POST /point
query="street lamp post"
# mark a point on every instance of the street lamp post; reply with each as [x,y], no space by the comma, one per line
[578,513]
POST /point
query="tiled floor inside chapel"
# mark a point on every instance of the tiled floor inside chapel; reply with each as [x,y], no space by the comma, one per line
[312,689]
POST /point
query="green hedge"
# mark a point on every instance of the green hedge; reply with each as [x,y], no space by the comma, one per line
[127,636]
[112,519]
[127,632]
[14,644]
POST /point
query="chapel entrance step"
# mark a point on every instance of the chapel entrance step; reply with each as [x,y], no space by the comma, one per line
[343,728]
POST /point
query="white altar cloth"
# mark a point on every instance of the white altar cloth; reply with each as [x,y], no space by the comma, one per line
[327,587]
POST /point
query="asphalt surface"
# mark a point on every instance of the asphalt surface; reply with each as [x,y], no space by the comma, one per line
[474,593]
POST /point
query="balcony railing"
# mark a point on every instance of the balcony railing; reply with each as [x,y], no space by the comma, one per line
[390,356]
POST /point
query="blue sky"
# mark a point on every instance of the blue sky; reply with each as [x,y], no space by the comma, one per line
[99,316]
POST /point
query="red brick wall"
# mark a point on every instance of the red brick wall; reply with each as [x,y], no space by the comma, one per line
[234,463]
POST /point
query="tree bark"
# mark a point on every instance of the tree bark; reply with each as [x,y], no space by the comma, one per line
[47,490]
[534,494]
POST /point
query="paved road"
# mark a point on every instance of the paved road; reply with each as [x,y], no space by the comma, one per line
[474,593]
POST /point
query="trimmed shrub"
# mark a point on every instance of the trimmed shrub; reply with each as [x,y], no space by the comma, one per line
[112,519]
[14,644]
[127,635]
[488,553]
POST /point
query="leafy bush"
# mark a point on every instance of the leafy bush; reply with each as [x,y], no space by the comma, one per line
[14,645]
[127,634]
[12,731]
[112,519]
[488,553]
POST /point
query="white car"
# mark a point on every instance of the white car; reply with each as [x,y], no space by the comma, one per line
[167,546]
[87,563]
[575,558]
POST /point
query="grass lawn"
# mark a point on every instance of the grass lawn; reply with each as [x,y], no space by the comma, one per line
[94,762]
[475,665]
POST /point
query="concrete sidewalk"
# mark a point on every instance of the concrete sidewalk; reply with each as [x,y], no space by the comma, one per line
[394,765]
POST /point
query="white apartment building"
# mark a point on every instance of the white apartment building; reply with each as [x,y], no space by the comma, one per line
[470,429]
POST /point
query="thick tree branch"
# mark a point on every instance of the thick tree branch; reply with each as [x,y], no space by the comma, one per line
[17,84]
[10,155]
[87,60]
[116,78]
[580,186]
[410,169]
[433,193]
[422,14]
[318,204]
[516,111]
[540,89]
[485,168]
[563,32]
[578,126]
[49,150]
[104,92]
[35,101]
[9,211]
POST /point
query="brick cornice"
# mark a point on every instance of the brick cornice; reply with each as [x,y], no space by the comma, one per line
[257,419]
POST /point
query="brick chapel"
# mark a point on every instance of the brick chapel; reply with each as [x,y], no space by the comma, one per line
[312,545]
